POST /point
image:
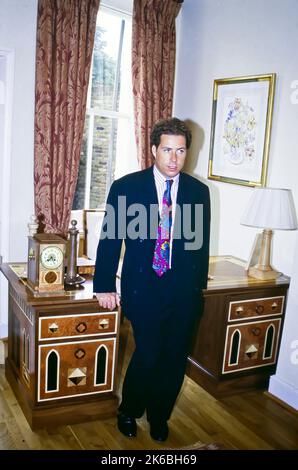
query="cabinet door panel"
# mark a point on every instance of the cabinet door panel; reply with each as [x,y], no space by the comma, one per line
[75,368]
[250,345]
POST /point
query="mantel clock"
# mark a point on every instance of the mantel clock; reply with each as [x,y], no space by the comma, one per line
[46,254]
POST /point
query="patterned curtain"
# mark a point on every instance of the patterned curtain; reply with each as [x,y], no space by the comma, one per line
[65,36]
[153,67]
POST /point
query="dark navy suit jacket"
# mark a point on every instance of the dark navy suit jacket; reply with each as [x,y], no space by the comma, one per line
[189,270]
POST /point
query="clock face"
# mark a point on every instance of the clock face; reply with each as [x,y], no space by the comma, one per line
[51,257]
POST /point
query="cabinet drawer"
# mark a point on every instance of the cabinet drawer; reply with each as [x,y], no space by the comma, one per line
[75,368]
[249,345]
[255,308]
[75,326]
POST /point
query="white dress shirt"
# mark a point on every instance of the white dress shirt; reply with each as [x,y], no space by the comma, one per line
[160,184]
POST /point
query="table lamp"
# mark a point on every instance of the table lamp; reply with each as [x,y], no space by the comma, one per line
[270,209]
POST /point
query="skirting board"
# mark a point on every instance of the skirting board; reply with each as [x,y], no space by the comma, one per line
[284,391]
[3,343]
[2,353]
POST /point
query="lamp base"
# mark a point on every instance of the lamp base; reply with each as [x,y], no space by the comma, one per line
[262,269]
[265,275]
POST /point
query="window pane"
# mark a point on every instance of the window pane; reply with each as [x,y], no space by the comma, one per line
[105,54]
[103,159]
[79,198]
[108,148]
[126,159]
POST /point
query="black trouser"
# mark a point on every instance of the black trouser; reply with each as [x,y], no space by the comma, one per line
[156,371]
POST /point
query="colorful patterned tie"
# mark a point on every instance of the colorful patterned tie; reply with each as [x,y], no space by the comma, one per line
[161,258]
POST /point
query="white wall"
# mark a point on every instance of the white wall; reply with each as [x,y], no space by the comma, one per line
[284,384]
[17,34]
[6,80]
[228,38]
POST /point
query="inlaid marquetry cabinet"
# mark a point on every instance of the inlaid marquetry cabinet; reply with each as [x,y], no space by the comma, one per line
[62,354]
[238,336]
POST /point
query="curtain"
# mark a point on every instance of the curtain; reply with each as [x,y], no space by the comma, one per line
[153,68]
[65,36]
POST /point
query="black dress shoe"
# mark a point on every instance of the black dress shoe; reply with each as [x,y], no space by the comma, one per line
[127,425]
[159,431]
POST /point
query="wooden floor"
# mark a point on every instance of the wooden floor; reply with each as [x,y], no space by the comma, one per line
[247,421]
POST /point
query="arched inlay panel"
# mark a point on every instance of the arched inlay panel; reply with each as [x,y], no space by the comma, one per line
[101,365]
[235,344]
[268,344]
[52,366]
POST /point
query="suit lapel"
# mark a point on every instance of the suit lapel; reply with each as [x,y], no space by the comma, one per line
[149,188]
[177,246]
[148,196]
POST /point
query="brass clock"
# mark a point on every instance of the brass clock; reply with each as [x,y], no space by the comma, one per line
[46,255]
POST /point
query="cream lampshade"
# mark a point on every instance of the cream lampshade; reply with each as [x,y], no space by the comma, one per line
[270,209]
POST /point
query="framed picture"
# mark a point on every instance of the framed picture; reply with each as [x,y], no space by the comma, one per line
[240,129]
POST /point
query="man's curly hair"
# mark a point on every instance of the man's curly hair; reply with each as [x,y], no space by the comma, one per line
[172,126]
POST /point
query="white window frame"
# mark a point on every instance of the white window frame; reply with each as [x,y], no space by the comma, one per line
[101,112]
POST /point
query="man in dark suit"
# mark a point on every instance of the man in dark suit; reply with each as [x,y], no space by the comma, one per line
[164,270]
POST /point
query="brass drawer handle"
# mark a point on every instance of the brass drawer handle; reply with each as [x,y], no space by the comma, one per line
[80,353]
[274,306]
[53,327]
[81,327]
[239,310]
[256,331]
[260,308]
[103,324]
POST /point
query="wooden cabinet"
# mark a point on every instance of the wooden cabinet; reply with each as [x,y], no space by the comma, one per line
[238,336]
[62,354]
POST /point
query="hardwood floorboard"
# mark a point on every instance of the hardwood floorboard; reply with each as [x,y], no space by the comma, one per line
[249,420]
[278,429]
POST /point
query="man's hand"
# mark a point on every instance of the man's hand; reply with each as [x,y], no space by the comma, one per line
[108,300]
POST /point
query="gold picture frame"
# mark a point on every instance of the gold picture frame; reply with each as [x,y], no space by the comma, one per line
[240,129]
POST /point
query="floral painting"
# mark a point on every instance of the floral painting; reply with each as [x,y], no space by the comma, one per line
[241,123]
[240,132]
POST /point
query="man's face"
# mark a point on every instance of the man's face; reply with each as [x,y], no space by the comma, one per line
[170,154]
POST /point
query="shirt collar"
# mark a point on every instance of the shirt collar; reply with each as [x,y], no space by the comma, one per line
[160,177]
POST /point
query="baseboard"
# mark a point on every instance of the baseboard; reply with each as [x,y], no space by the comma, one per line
[2,353]
[3,346]
[284,391]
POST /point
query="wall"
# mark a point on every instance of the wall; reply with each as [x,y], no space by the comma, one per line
[284,384]
[4,117]
[17,34]
[228,38]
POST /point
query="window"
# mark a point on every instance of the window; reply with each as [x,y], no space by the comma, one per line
[108,142]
